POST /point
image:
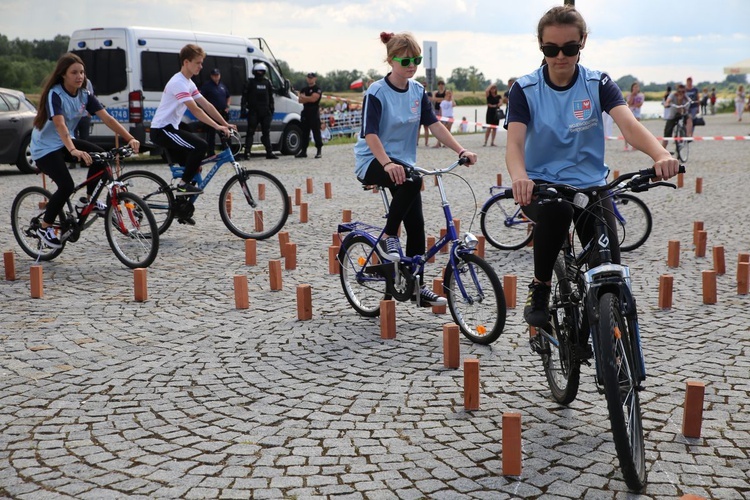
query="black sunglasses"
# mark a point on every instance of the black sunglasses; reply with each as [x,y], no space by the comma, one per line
[567,50]
[406,61]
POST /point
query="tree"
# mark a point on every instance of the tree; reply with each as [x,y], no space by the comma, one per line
[740,79]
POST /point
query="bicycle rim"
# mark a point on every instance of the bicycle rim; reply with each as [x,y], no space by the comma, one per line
[504,225]
[132,231]
[26,217]
[364,291]
[157,194]
[619,380]
[254,205]
[634,221]
[475,299]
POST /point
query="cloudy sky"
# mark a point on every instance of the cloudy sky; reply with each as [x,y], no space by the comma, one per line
[655,40]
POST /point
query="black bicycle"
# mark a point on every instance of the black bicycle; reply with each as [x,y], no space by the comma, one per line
[592,301]
[680,135]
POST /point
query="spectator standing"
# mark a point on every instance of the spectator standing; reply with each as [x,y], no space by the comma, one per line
[310,97]
[325,132]
[704,101]
[693,94]
[437,98]
[257,102]
[712,100]
[217,94]
[739,102]
[635,102]
[446,109]
[492,117]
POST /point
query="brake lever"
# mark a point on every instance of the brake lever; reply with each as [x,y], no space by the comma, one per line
[639,188]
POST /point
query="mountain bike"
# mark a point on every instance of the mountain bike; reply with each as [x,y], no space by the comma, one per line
[682,140]
[473,290]
[593,314]
[130,226]
[505,226]
[252,204]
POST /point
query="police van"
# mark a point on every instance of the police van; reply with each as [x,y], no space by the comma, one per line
[129,68]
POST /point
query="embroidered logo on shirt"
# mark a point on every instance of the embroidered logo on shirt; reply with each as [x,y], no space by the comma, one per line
[582,109]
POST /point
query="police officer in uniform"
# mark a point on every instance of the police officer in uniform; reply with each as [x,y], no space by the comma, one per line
[257,101]
[310,98]
[217,94]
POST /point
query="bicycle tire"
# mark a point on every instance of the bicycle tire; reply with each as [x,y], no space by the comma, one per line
[364,292]
[634,221]
[481,317]
[156,192]
[26,217]
[133,244]
[503,225]
[619,379]
[561,366]
[254,212]
[682,147]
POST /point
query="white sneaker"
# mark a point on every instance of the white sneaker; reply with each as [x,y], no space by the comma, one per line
[48,237]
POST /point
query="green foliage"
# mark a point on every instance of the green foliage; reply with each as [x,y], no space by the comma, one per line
[26,64]
[470,79]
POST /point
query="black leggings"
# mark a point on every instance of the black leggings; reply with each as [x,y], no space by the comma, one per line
[406,206]
[55,166]
[185,148]
[552,224]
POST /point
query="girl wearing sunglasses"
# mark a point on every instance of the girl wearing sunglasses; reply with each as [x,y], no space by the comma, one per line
[394,109]
[556,135]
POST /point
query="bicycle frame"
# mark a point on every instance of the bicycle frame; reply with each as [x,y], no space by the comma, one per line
[218,160]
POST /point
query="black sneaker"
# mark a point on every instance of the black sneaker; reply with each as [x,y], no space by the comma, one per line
[301,154]
[392,247]
[187,220]
[536,311]
[187,190]
[429,298]
[319,154]
[271,156]
[48,237]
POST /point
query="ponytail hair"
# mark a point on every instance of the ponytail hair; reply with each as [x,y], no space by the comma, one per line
[398,44]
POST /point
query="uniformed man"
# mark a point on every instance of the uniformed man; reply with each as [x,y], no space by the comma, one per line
[310,97]
[217,94]
[257,101]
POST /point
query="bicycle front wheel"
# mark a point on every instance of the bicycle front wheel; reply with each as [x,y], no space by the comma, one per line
[504,225]
[363,290]
[254,204]
[157,194]
[26,215]
[682,147]
[634,221]
[475,298]
[132,231]
[616,359]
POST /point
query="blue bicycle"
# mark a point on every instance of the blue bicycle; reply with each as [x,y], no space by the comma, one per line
[473,291]
[253,204]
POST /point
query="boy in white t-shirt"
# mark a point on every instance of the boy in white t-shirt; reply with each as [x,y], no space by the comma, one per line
[181,94]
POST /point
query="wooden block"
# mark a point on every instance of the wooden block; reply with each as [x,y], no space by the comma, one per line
[690,496]
[333,260]
[9,261]
[700,244]
[328,190]
[309,185]
[421,185]
[499,179]
[692,413]
[743,257]
[673,253]
[228,204]
[297,196]
[529,229]
[709,287]
[261,191]
[443,232]
[430,244]
[511,444]
[283,240]
[140,284]
[697,226]
[451,346]
[719,263]
[436,179]
[335,239]
[457,225]
[615,174]
[241,300]
[303,212]
[680,180]
[258,221]
[665,291]
[346,215]
[699,185]
[251,247]
[304,302]
[37,282]
[437,287]
[274,274]
[42,205]
[388,319]
[510,282]
[289,206]
[481,244]
[471,384]
[743,277]
[290,257]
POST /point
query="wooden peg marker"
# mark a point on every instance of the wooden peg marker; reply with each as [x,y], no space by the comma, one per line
[241,300]
[261,191]
[333,260]
[437,287]
[140,284]
[258,220]
[697,226]
[228,204]
[511,444]
[692,412]
[699,185]
[743,257]
[499,179]
[430,243]
[251,247]
[9,261]
[309,185]
[274,271]
[297,196]
[451,346]
[510,282]
[700,244]
[457,225]
[719,263]
[37,282]
[443,232]
[346,215]
[283,240]
[673,253]
[328,191]
[709,287]
[471,384]
[665,291]
[690,496]
[335,239]
[290,256]
[481,244]
[615,174]
[388,319]
[421,185]
[303,212]
[289,207]
[304,302]
[743,277]
[680,180]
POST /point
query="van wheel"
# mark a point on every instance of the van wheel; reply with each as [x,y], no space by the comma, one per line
[291,140]
[24,162]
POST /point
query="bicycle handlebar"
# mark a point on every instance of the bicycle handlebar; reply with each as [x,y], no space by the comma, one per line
[122,151]
[410,170]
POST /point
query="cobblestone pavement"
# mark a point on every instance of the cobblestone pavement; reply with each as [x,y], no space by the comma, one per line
[184,396]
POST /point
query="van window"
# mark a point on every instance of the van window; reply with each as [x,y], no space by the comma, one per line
[106,69]
[159,67]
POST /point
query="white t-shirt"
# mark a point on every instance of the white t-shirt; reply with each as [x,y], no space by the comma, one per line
[177,92]
[446,108]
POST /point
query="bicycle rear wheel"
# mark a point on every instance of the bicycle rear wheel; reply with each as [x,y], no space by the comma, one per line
[132,231]
[254,204]
[26,217]
[634,221]
[475,298]
[504,225]
[155,191]
[616,359]
[364,291]
[682,147]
